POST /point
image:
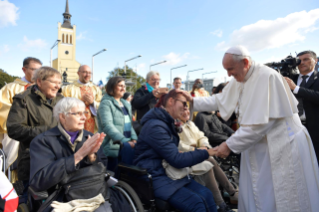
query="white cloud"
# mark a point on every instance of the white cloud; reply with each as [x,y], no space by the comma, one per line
[34,45]
[311,29]
[218,33]
[268,34]
[174,58]
[4,49]
[9,13]
[81,36]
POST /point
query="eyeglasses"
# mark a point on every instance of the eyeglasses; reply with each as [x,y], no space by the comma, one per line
[54,82]
[155,80]
[184,103]
[86,72]
[79,114]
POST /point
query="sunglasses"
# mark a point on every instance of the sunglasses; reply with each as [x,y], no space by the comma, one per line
[184,103]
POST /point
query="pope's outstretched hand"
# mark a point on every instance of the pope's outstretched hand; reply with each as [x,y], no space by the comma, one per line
[187,95]
[222,150]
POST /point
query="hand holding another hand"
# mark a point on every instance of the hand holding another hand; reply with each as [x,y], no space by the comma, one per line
[222,150]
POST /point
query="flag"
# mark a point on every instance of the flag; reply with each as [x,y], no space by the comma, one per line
[9,199]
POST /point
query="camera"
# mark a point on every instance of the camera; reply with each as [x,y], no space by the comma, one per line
[287,67]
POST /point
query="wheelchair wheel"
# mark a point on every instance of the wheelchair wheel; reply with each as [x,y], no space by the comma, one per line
[130,195]
[23,208]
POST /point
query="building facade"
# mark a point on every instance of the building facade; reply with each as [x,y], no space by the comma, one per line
[66,61]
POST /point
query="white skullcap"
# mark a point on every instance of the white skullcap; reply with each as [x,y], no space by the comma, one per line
[238,50]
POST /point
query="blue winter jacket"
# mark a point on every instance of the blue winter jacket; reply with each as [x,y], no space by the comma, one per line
[159,140]
[111,121]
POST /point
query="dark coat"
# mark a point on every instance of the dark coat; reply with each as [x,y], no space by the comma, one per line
[216,131]
[310,97]
[159,140]
[52,159]
[142,102]
[30,115]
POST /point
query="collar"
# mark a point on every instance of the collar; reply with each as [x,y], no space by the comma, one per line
[309,74]
[250,71]
[68,137]
[86,84]
[25,80]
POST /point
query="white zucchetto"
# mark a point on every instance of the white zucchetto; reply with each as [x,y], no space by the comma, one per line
[238,50]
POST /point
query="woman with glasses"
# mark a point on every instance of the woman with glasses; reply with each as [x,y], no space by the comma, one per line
[31,115]
[158,141]
[63,151]
[115,120]
[207,173]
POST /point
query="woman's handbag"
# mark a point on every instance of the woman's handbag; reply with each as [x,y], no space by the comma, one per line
[85,183]
[174,173]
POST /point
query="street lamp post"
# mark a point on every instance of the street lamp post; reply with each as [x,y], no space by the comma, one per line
[55,43]
[171,73]
[208,73]
[187,76]
[103,50]
[126,82]
[130,60]
[154,64]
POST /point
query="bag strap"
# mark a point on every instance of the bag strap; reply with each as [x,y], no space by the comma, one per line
[50,199]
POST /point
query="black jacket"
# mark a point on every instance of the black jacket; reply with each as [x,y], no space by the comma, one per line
[310,97]
[30,115]
[216,131]
[52,159]
[143,101]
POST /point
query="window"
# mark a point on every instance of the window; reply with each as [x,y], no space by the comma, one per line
[62,38]
[70,39]
[67,38]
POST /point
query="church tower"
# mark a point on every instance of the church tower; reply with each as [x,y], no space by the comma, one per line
[66,48]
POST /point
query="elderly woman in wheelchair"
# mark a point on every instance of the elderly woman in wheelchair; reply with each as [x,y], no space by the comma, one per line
[207,173]
[157,145]
[64,162]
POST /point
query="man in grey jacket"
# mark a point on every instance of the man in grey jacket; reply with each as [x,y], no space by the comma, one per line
[216,131]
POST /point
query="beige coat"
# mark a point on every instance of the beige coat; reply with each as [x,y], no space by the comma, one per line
[191,136]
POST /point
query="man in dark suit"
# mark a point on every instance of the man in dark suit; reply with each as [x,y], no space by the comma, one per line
[305,86]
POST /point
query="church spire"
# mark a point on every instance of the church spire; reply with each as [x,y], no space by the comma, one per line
[67,17]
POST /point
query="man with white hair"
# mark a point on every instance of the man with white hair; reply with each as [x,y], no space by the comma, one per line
[146,96]
[279,169]
[89,93]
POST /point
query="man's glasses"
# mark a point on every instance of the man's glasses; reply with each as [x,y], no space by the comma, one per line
[184,103]
[156,80]
[79,114]
[86,72]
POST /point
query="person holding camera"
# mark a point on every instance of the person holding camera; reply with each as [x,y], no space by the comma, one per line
[305,86]
[198,91]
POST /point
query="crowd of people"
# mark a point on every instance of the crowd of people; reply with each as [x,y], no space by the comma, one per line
[59,133]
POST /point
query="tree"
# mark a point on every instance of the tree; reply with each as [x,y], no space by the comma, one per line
[131,76]
[5,78]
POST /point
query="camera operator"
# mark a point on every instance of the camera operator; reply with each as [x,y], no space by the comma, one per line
[305,86]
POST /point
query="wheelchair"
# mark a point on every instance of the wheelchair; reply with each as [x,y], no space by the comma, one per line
[36,199]
[140,180]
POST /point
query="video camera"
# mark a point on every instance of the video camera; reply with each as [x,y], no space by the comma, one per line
[287,67]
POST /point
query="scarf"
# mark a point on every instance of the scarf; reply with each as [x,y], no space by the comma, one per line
[149,88]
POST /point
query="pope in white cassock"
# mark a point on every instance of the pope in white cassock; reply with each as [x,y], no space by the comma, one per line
[279,169]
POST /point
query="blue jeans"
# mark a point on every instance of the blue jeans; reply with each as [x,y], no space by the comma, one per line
[193,197]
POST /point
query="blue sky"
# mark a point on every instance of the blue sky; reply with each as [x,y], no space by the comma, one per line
[192,32]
